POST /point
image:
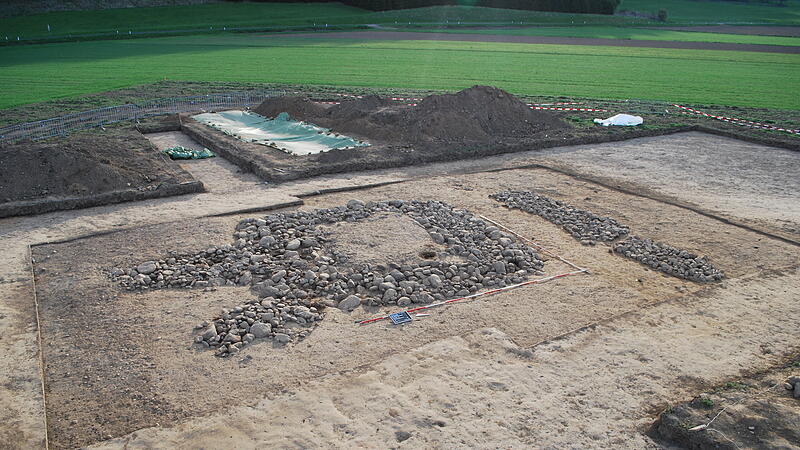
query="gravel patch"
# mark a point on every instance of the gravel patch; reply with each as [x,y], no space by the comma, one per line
[583,225]
[297,271]
[667,259]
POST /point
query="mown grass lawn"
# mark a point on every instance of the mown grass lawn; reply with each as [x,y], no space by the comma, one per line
[37,73]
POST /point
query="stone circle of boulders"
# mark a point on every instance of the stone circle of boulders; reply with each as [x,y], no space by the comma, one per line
[667,259]
[583,225]
[297,271]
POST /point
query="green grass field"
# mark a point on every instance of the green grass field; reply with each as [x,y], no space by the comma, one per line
[691,12]
[646,34]
[283,15]
[37,73]
[266,15]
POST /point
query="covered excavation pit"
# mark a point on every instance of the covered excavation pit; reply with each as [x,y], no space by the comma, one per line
[119,360]
[280,132]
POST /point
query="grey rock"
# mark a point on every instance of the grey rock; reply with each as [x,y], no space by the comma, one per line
[350,303]
[261,330]
[401,436]
[435,281]
[281,338]
[146,268]
[499,267]
[389,295]
[355,204]
[294,244]
[210,332]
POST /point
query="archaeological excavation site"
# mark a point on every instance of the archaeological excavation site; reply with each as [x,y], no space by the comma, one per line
[453,270]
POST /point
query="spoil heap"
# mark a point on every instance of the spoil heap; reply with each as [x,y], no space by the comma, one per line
[92,167]
[296,270]
[480,114]
[297,107]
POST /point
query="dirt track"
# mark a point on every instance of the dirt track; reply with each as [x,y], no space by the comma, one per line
[416,36]
[444,377]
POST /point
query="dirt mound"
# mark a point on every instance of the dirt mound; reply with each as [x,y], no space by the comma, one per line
[359,108]
[84,165]
[480,114]
[299,108]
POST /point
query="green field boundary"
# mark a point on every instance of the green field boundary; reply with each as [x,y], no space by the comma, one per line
[38,73]
[245,16]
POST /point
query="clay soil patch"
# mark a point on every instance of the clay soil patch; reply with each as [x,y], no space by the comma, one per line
[86,169]
[117,361]
[385,238]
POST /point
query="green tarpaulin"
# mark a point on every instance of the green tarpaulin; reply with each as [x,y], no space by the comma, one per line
[188,153]
[291,136]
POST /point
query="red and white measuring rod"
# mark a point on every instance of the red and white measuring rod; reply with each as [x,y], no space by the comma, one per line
[476,295]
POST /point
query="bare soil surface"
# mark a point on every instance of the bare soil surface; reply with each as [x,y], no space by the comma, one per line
[142,337]
[217,174]
[85,169]
[731,177]
[419,36]
[585,361]
[383,239]
[592,389]
[748,412]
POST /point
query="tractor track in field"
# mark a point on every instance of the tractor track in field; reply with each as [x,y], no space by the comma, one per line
[422,36]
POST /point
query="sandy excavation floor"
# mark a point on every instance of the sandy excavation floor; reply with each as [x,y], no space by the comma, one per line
[217,174]
[586,361]
[757,183]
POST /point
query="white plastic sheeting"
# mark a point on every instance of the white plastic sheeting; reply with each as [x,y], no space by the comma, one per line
[624,120]
[291,136]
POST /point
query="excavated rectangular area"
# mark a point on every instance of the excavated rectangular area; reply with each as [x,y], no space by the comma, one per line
[116,361]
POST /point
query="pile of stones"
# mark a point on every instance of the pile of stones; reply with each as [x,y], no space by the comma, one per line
[296,270]
[590,228]
[581,224]
[667,259]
